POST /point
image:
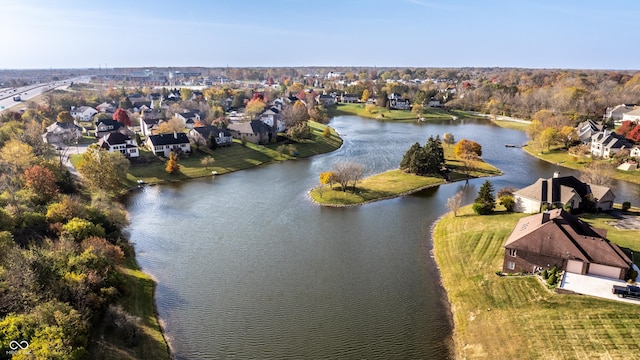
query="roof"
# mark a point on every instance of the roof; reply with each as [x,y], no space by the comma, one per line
[109,122]
[635,112]
[169,139]
[560,189]
[116,138]
[250,127]
[206,131]
[557,233]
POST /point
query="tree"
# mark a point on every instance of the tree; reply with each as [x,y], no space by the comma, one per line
[365,95]
[207,161]
[424,160]
[295,114]
[568,136]
[122,117]
[42,182]
[547,137]
[597,173]
[327,177]
[485,202]
[170,126]
[17,155]
[125,103]
[186,94]
[345,172]
[102,169]
[172,164]
[454,202]
[64,117]
[465,147]
[447,138]
[254,107]
[80,229]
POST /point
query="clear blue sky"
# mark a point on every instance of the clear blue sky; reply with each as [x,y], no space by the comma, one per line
[582,34]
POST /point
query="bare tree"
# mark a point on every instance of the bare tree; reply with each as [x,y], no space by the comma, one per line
[597,173]
[454,202]
[346,172]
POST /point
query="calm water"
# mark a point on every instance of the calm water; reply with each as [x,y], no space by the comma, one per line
[248,268]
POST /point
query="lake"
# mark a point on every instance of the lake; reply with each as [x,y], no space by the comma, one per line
[248,267]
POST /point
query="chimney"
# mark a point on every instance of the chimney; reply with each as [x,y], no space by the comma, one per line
[175,135]
[545,216]
[556,174]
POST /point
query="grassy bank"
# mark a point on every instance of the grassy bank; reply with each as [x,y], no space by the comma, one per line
[396,183]
[517,317]
[383,114]
[558,155]
[138,300]
[511,125]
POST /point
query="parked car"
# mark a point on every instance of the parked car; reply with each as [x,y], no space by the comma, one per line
[624,291]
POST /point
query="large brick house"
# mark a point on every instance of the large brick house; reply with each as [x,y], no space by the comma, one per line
[557,238]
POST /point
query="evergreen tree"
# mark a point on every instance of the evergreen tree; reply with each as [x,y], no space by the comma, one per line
[485,202]
[212,141]
[406,162]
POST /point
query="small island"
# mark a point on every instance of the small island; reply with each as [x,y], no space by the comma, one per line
[459,162]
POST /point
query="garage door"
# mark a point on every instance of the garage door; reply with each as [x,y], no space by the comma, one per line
[574,266]
[603,270]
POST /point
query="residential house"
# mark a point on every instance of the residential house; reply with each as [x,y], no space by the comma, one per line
[635,152]
[139,103]
[163,144]
[149,121]
[587,129]
[616,113]
[398,103]
[83,113]
[349,98]
[62,133]
[557,238]
[155,99]
[633,116]
[106,107]
[326,99]
[254,131]
[107,126]
[189,117]
[271,116]
[202,136]
[434,103]
[113,142]
[559,191]
[606,144]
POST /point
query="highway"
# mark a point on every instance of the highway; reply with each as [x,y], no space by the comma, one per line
[31,91]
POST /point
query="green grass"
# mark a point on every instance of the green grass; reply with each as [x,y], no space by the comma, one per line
[511,125]
[396,183]
[380,113]
[517,317]
[229,159]
[138,300]
[558,155]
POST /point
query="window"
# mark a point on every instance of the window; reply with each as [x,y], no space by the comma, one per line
[511,265]
[512,252]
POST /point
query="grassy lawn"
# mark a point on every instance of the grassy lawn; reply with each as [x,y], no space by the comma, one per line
[229,159]
[512,125]
[514,317]
[558,155]
[380,113]
[138,301]
[394,183]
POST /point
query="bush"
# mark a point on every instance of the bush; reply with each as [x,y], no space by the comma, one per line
[81,229]
[545,274]
[552,280]
[632,275]
[482,208]
[626,206]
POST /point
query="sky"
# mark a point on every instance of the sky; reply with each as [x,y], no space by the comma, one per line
[570,34]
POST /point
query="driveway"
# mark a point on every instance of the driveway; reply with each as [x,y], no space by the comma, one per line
[593,285]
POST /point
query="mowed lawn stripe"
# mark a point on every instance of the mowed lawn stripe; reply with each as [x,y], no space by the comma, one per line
[517,317]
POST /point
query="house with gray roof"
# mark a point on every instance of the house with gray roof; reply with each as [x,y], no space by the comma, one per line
[560,191]
[606,144]
[62,133]
[202,135]
[83,113]
[119,142]
[254,131]
[633,115]
[587,129]
[163,144]
[557,238]
[617,112]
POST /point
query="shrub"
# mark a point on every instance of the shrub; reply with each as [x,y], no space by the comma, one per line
[81,229]
[626,206]
[326,132]
[508,202]
[552,280]
[545,274]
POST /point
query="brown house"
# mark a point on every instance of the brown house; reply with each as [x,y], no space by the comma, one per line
[557,238]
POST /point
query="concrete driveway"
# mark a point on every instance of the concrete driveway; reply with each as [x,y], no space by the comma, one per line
[594,285]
